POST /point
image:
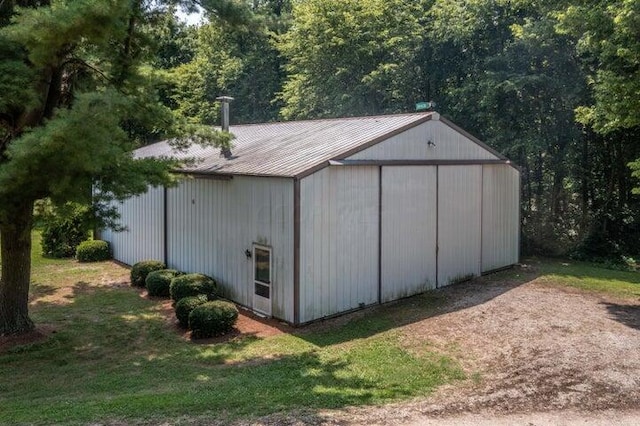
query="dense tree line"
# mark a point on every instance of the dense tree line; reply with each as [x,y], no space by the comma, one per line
[554,85]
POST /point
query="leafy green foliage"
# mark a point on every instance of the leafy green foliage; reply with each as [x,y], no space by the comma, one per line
[63,229]
[142,269]
[158,282]
[193,285]
[350,57]
[15,78]
[173,41]
[185,305]
[85,138]
[240,61]
[609,33]
[93,251]
[523,101]
[212,319]
[503,71]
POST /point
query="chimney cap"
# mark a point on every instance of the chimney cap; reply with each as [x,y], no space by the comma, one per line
[224,98]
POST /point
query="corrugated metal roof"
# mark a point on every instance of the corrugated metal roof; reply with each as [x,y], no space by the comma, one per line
[291,148]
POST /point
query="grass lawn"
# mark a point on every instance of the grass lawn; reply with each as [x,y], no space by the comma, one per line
[590,277]
[114,357]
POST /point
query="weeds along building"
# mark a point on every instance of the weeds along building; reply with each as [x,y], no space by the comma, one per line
[308,219]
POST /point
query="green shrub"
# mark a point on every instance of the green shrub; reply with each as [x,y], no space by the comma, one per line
[158,282]
[193,285]
[63,228]
[186,305]
[212,319]
[140,270]
[93,251]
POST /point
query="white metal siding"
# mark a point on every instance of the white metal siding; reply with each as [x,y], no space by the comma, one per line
[500,227]
[212,222]
[338,240]
[413,145]
[409,220]
[459,223]
[143,220]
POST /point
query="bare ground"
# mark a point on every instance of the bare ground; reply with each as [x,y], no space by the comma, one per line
[535,353]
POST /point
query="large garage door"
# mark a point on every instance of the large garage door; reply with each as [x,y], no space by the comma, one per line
[409,219]
[459,223]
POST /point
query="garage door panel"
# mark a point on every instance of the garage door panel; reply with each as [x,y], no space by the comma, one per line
[409,234]
[459,223]
[500,218]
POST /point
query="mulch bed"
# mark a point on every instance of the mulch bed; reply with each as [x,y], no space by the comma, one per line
[248,324]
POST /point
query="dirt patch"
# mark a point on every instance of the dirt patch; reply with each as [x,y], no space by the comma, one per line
[529,347]
[534,353]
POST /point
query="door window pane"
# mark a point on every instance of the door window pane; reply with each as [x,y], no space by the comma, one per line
[262,265]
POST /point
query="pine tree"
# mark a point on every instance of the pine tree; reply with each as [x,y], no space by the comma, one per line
[75,99]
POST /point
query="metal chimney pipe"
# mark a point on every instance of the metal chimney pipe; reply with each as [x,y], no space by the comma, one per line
[224,104]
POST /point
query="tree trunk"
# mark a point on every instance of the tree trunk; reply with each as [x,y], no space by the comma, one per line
[15,276]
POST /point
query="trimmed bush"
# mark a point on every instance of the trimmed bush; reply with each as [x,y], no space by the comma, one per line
[140,270]
[186,305]
[158,282]
[193,285]
[93,251]
[212,319]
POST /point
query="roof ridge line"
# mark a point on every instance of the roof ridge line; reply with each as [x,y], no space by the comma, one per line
[359,117]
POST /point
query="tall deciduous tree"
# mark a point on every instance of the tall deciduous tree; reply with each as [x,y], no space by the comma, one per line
[74,99]
[350,57]
[608,35]
[238,60]
[609,40]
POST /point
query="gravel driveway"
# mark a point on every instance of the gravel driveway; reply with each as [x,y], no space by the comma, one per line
[535,352]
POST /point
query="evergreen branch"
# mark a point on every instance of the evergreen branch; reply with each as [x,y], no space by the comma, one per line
[76,60]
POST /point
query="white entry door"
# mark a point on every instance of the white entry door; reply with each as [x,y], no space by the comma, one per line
[262,279]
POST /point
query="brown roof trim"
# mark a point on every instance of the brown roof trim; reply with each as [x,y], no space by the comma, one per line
[200,175]
[366,145]
[391,134]
[415,162]
[473,138]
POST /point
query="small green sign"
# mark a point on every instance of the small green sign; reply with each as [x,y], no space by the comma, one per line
[422,106]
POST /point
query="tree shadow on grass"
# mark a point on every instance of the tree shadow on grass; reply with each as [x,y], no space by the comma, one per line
[112,342]
[99,302]
[628,315]
[38,290]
